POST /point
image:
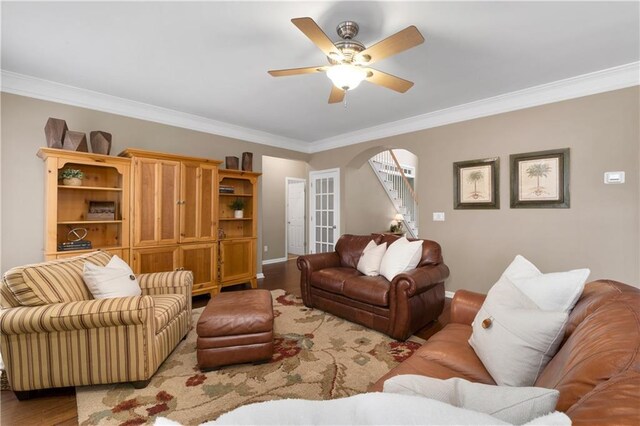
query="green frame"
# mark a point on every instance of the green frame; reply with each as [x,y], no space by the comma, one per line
[562,200]
[494,169]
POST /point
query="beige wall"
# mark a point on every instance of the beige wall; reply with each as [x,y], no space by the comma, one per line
[368,206]
[600,230]
[275,171]
[23,121]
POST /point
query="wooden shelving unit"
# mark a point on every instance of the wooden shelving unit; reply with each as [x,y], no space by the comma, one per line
[106,179]
[237,244]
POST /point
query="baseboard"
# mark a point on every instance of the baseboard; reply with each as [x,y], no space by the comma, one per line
[260,275]
[278,260]
[449,294]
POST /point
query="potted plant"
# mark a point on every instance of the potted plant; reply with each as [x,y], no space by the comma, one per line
[237,207]
[72,177]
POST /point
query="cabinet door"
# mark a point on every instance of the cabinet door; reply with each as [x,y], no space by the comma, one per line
[237,260]
[156,184]
[200,260]
[198,202]
[157,259]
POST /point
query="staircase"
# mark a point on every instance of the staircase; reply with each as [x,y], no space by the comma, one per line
[392,177]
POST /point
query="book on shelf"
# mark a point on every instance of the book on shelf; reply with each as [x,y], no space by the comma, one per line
[226,189]
[74,245]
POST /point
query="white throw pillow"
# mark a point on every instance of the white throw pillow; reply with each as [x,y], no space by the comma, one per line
[557,291]
[401,256]
[514,405]
[114,280]
[513,338]
[369,263]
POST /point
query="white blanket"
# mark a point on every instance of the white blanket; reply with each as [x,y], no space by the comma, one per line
[364,409]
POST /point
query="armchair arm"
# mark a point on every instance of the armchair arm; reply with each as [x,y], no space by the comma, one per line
[465,306]
[174,282]
[87,314]
[420,279]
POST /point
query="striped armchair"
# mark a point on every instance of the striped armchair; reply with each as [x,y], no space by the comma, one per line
[54,334]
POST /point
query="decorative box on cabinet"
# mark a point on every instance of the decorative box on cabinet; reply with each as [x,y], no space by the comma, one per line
[237,245]
[105,179]
[174,205]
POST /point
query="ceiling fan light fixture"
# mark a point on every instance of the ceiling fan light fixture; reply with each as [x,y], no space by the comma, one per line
[346,76]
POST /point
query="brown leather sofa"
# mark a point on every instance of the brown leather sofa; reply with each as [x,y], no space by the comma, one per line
[596,369]
[331,282]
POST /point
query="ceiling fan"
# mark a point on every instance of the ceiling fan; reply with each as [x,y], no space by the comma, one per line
[349,59]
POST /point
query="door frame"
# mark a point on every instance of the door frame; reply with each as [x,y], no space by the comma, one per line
[286,215]
[312,206]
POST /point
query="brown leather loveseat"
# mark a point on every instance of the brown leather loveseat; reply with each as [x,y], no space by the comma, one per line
[596,369]
[331,282]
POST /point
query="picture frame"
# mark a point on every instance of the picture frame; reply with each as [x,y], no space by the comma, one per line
[476,184]
[540,179]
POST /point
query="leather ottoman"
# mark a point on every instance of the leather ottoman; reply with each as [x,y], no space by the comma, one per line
[235,328]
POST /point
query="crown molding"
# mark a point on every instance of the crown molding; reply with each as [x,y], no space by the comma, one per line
[583,85]
[24,85]
[575,87]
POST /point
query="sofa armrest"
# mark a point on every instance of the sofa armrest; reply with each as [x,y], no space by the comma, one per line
[465,306]
[420,279]
[173,282]
[315,262]
[87,314]
[307,265]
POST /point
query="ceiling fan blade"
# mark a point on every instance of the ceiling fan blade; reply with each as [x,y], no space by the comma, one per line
[389,81]
[309,27]
[296,71]
[336,96]
[399,42]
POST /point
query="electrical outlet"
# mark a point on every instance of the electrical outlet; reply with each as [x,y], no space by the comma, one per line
[266,249]
[438,216]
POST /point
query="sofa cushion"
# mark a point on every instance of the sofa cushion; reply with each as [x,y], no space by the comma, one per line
[332,279]
[401,256]
[166,307]
[510,404]
[371,290]
[350,247]
[513,337]
[369,263]
[445,355]
[55,281]
[114,280]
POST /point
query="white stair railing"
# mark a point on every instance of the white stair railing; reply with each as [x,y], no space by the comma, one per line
[391,175]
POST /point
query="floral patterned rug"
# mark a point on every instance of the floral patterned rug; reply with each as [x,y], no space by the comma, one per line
[317,356]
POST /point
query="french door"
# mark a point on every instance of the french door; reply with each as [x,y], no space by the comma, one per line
[324,205]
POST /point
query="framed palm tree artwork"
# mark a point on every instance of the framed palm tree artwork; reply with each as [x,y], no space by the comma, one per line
[540,179]
[476,184]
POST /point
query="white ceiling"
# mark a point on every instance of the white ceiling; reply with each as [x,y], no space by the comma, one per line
[211,59]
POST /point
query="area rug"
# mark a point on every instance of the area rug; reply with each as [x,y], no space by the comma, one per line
[317,356]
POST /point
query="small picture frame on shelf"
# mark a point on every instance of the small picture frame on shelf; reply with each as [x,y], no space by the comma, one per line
[101,210]
[476,184]
[540,179]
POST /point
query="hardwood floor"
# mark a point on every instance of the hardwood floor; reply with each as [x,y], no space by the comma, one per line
[58,406]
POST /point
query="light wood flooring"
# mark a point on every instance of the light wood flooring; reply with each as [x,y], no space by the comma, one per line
[58,406]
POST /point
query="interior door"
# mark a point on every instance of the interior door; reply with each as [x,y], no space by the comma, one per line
[324,220]
[295,215]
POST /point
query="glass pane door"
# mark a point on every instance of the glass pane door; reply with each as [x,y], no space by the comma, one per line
[324,218]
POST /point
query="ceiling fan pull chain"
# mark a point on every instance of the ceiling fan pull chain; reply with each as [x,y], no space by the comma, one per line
[345,98]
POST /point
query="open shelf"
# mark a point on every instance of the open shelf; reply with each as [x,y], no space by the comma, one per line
[90,188]
[87,222]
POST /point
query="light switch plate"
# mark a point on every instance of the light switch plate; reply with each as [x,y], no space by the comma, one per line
[613,177]
[438,216]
